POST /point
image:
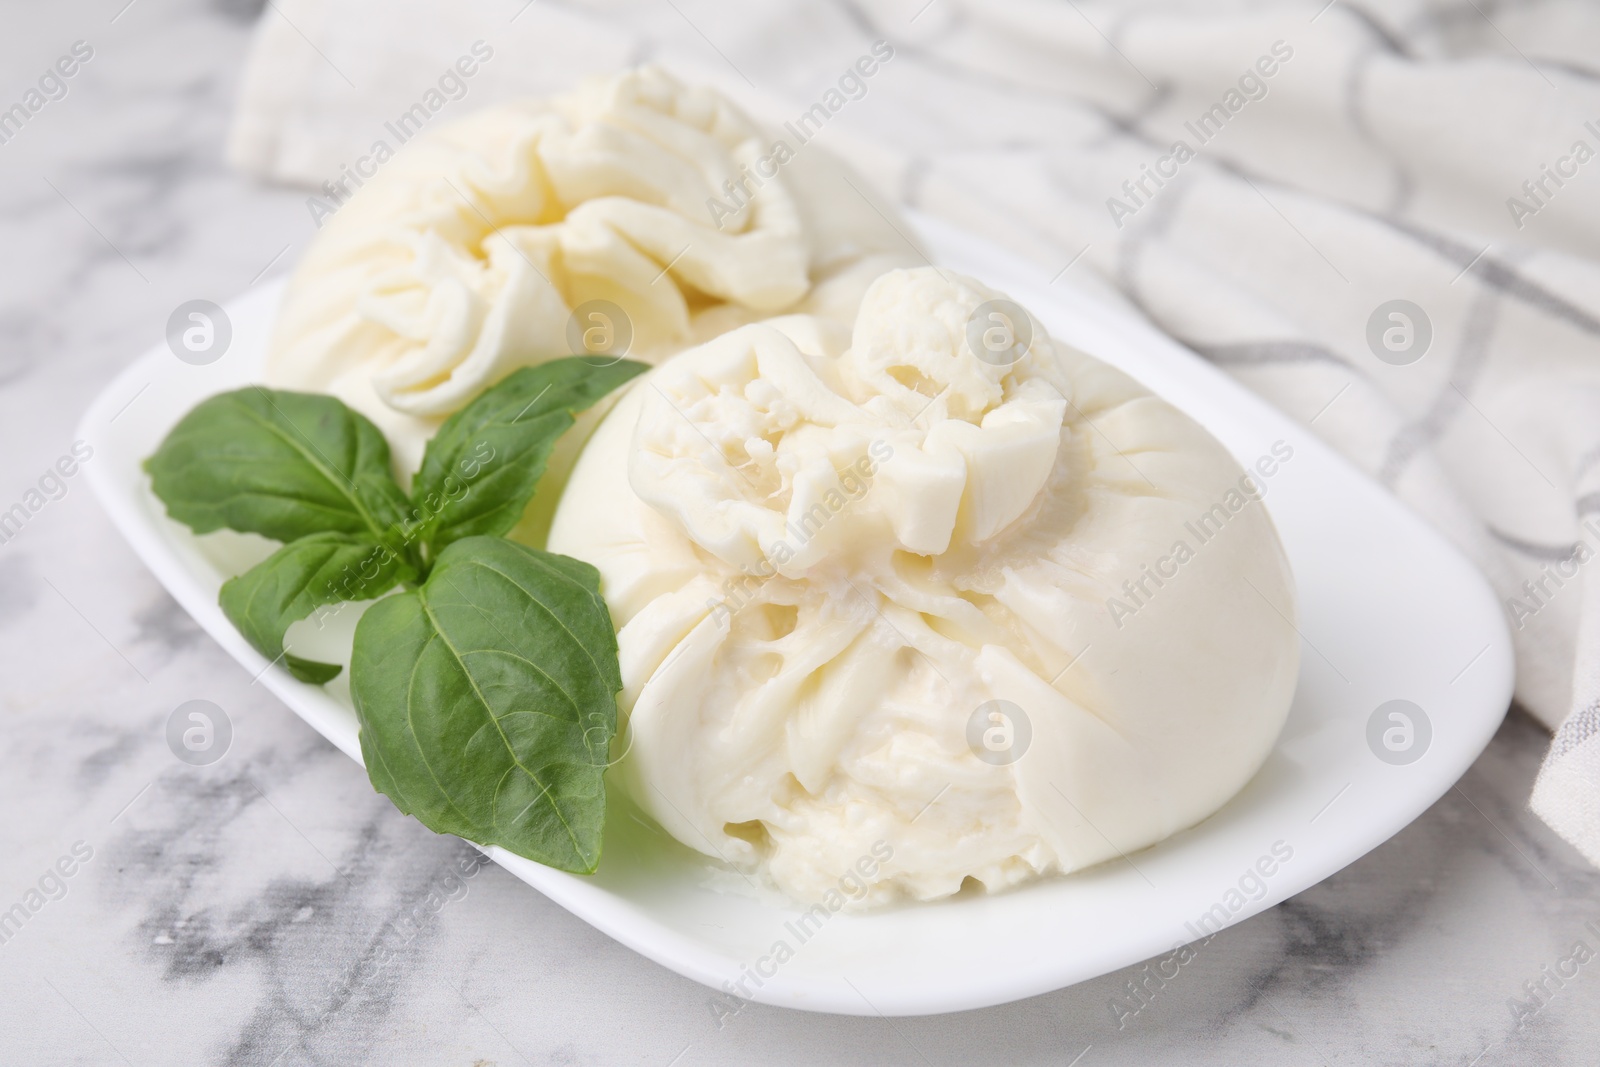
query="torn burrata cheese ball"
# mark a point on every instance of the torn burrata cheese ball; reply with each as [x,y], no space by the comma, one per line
[517,234]
[872,596]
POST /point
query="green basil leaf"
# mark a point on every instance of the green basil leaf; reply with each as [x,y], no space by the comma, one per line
[481,468]
[487,700]
[300,577]
[279,464]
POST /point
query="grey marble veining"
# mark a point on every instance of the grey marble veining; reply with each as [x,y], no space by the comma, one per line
[271,909]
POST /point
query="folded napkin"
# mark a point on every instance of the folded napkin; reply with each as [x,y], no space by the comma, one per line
[1379,216]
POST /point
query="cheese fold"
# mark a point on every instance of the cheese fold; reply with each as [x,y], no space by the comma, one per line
[999,608]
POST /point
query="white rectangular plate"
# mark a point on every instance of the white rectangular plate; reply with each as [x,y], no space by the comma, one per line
[1389,610]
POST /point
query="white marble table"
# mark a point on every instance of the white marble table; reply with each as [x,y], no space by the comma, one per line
[270,908]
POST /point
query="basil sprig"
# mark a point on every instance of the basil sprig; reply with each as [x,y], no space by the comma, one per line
[306,574]
[279,464]
[488,700]
[486,691]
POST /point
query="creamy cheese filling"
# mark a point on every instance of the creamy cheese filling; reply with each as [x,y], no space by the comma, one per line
[865,585]
[492,243]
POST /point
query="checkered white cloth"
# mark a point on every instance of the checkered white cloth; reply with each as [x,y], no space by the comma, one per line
[1379,215]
